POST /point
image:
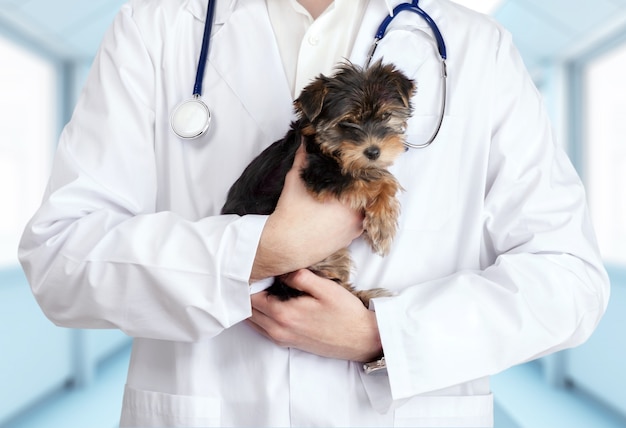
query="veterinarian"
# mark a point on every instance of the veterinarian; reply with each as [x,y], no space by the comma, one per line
[495,262]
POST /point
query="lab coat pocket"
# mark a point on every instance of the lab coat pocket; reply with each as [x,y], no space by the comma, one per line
[446,411]
[155,409]
[430,176]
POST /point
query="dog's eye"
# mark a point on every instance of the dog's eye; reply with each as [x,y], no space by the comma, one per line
[385,116]
[348,125]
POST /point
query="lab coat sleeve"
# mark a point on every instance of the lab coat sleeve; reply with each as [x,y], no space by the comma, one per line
[540,286]
[96,253]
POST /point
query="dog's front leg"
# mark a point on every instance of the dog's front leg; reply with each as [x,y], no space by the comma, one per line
[381,216]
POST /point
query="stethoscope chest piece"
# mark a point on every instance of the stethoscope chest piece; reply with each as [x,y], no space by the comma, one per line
[191,118]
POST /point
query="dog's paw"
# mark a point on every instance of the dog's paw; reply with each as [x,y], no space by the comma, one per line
[366,295]
[381,218]
[379,234]
[336,267]
[379,245]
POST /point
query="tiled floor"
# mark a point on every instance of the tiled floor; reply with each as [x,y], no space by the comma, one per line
[522,401]
[524,397]
[95,406]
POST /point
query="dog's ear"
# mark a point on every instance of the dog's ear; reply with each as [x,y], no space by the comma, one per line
[405,87]
[396,79]
[311,100]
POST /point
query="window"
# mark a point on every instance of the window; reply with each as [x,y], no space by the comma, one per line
[605,150]
[27,132]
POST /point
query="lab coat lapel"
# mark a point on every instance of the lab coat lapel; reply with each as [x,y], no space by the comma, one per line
[376,11]
[374,14]
[265,94]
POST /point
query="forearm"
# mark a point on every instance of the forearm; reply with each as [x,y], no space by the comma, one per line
[276,253]
[474,324]
[155,275]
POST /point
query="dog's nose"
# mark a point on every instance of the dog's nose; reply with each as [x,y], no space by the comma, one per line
[372,152]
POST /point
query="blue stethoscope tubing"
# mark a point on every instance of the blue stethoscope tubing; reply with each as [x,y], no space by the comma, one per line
[414,7]
[191,118]
[204,53]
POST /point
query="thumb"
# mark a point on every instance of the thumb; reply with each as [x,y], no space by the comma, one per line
[299,161]
[306,281]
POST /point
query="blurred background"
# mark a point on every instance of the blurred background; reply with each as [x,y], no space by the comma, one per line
[54,377]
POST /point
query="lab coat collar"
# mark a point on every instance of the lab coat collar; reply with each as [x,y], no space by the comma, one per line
[389,6]
[223,9]
[198,8]
[393,3]
[431,7]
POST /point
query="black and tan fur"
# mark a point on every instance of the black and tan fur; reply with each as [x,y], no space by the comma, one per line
[352,126]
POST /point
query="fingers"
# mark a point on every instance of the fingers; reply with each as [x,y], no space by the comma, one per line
[330,322]
[259,320]
[263,324]
[275,319]
[263,303]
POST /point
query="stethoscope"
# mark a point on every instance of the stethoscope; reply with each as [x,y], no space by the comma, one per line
[192,118]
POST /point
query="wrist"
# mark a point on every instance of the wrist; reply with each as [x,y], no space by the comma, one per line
[375,363]
[373,348]
[270,259]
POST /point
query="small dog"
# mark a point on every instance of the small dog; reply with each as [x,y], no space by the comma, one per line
[352,126]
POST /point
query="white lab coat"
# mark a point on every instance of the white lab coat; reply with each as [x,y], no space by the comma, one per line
[495,262]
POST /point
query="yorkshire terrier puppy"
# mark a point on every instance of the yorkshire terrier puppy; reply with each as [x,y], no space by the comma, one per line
[352,127]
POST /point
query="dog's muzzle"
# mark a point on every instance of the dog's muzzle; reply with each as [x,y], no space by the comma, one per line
[372,153]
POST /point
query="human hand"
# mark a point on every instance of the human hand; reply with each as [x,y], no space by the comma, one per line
[329,321]
[303,230]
